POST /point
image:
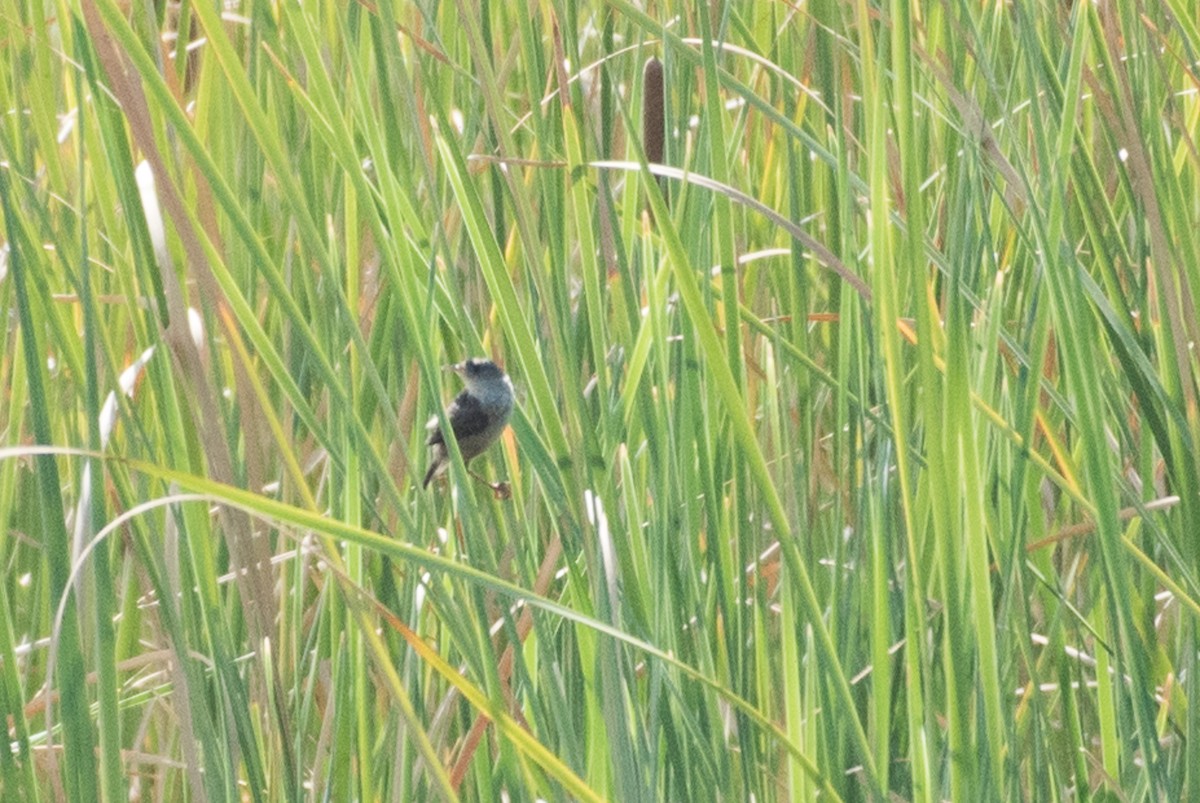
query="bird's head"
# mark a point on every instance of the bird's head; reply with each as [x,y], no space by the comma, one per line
[482,376]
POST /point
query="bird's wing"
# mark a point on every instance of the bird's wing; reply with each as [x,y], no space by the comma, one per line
[467,418]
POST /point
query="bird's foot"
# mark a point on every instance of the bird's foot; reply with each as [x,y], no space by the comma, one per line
[501,490]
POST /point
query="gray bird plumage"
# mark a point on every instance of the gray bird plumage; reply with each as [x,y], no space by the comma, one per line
[477,415]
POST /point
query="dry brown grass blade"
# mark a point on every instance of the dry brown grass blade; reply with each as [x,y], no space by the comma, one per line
[249,551]
[504,669]
[1165,260]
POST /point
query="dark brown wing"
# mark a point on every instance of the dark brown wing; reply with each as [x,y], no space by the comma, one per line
[467,419]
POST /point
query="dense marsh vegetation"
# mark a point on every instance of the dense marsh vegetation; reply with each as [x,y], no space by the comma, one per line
[859,463]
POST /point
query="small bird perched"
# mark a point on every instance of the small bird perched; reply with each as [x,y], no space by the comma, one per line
[477,415]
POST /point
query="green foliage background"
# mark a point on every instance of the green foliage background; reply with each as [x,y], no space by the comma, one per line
[860,463]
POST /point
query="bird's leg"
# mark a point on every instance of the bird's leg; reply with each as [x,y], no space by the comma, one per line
[501,490]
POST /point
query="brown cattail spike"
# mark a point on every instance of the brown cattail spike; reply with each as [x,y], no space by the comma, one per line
[653,114]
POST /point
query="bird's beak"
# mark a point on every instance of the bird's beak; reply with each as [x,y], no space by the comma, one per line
[456,368]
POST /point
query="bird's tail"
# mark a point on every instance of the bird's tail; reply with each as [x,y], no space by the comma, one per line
[436,466]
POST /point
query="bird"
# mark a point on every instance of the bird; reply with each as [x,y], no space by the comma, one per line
[477,416]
